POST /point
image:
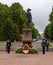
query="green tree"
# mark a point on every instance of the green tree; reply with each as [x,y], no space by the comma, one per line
[3,16]
[35,32]
[51,27]
[51,16]
[51,31]
[12,22]
[46,31]
[18,16]
[8,29]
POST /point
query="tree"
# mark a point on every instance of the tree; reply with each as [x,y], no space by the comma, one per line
[51,32]
[46,31]
[18,16]
[8,29]
[51,27]
[51,16]
[35,32]
[3,16]
[12,22]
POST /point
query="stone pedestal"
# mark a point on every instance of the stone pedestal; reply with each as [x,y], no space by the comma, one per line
[27,36]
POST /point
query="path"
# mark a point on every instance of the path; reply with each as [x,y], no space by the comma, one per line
[23,59]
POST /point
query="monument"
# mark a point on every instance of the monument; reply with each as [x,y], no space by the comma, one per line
[27,32]
[29,17]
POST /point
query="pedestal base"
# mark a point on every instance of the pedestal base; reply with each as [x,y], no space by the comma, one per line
[27,36]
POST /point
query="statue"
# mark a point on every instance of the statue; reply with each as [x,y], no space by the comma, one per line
[29,17]
[27,32]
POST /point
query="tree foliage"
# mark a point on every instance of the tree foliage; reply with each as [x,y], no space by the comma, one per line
[35,32]
[51,16]
[12,22]
[51,31]
[48,32]
[3,17]
[18,17]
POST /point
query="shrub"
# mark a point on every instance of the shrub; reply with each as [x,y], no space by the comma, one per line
[50,45]
[31,50]
[19,50]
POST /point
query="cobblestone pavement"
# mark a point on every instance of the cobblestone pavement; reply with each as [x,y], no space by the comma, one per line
[26,59]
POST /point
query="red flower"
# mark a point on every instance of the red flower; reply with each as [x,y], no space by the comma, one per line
[25,47]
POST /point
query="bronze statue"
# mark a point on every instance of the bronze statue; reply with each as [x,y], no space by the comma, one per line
[29,17]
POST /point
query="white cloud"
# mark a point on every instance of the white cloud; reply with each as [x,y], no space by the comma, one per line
[3,1]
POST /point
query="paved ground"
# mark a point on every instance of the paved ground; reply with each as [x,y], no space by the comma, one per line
[23,59]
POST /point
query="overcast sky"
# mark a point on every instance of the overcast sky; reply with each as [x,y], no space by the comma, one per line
[40,10]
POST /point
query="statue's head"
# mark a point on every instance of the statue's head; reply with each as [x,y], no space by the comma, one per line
[28,9]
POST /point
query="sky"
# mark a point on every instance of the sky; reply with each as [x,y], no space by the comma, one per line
[40,10]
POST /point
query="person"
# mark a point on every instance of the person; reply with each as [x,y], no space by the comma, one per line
[43,45]
[8,45]
[47,45]
[29,16]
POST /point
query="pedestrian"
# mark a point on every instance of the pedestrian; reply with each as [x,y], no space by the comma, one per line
[47,45]
[8,45]
[43,45]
